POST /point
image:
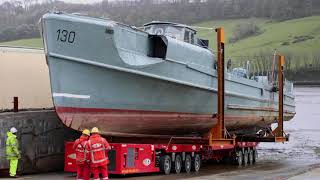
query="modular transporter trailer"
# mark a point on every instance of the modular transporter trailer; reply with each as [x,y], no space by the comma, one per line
[130,155]
[150,158]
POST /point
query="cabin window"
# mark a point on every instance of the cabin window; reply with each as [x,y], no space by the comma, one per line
[174,32]
[165,30]
[159,31]
[192,38]
[187,36]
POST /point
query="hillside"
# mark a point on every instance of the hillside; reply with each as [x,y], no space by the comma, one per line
[298,37]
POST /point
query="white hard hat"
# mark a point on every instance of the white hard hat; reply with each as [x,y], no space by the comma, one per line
[13,130]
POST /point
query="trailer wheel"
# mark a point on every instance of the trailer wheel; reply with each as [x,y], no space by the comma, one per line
[245,158]
[177,164]
[187,163]
[196,163]
[250,157]
[165,164]
[255,156]
[239,158]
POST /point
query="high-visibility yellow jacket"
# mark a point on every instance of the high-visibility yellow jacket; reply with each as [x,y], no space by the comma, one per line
[12,146]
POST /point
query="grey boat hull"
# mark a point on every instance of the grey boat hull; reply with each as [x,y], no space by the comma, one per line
[107,80]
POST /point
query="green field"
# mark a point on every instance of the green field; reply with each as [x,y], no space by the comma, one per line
[275,35]
[34,43]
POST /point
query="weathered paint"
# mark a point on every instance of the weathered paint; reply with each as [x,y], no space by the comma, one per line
[114,72]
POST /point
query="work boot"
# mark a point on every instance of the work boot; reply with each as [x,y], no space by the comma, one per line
[15,176]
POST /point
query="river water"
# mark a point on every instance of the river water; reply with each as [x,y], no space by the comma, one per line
[307,108]
[304,129]
[303,149]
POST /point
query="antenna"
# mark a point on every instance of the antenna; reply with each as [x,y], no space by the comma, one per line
[273,65]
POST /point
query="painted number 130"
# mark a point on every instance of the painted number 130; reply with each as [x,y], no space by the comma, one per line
[66,36]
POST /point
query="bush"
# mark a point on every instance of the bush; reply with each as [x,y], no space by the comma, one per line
[19,32]
[243,31]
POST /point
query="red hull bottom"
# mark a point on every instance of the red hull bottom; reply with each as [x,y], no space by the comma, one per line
[115,122]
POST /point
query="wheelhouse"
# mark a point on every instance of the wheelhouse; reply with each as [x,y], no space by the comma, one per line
[177,31]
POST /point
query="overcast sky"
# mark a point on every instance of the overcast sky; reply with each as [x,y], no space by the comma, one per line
[70,1]
[82,1]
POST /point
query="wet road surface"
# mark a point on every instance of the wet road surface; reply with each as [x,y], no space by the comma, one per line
[297,159]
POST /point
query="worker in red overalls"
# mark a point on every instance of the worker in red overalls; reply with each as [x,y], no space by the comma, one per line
[98,147]
[82,156]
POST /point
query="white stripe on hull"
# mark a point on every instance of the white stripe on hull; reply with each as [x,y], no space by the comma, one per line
[67,95]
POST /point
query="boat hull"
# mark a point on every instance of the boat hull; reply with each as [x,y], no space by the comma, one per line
[109,81]
[125,104]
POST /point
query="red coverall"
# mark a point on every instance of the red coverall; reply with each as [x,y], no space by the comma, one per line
[82,157]
[99,147]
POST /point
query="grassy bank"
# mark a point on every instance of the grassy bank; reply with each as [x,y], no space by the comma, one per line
[34,43]
[299,37]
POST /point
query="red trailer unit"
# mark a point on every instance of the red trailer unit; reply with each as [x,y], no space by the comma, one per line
[132,158]
[147,158]
[69,158]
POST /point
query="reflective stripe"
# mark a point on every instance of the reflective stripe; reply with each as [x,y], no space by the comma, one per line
[99,161]
[92,155]
[78,150]
[85,151]
[82,151]
[11,144]
[98,149]
[9,154]
[9,157]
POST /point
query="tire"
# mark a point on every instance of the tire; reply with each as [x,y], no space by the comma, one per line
[255,156]
[239,158]
[245,158]
[250,157]
[187,163]
[177,164]
[196,163]
[165,164]
[228,160]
